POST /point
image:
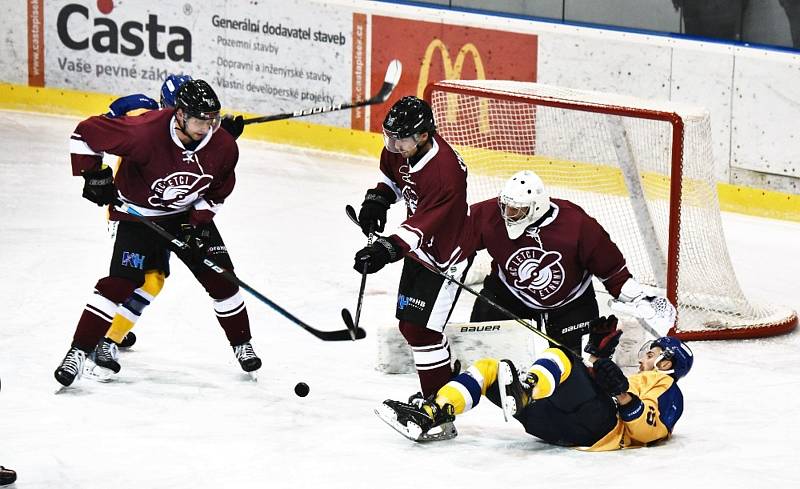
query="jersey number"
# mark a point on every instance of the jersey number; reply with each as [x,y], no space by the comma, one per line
[651,416]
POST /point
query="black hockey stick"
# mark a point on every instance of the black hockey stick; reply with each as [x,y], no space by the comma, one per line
[339,335]
[351,213]
[393,73]
[346,316]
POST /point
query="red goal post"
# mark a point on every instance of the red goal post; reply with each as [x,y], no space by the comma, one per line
[643,168]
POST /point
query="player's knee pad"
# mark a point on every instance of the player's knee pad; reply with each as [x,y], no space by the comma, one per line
[464,391]
[115,289]
[217,287]
[153,282]
[429,348]
[417,335]
[485,371]
[551,369]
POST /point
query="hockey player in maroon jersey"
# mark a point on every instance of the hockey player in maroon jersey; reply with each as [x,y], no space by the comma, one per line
[177,170]
[544,253]
[119,334]
[419,167]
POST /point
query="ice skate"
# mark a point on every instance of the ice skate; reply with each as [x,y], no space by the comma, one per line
[128,341]
[71,367]
[102,364]
[515,393]
[248,359]
[419,420]
[7,476]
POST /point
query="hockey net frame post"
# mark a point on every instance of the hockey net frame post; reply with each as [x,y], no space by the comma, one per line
[457,88]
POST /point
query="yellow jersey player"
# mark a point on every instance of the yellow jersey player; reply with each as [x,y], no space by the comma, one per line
[560,400]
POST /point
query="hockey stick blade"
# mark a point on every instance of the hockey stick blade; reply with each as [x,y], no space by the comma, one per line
[348,321]
[351,213]
[393,73]
[341,335]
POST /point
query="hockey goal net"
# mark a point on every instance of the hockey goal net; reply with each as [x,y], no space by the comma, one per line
[644,169]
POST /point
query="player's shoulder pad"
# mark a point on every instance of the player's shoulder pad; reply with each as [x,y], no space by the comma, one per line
[224,140]
[484,205]
[670,406]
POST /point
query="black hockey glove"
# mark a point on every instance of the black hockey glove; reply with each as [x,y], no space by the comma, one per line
[603,337]
[234,125]
[99,186]
[610,377]
[377,255]
[197,239]
[372,215]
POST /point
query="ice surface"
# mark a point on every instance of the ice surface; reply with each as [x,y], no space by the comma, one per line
[182,414]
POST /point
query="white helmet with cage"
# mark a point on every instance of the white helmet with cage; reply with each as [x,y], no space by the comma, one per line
[523,201]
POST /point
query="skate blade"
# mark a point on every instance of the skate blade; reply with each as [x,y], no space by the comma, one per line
[444,431]
[388,416]
[97,373]
[505,378]
[412,431]
[253,376]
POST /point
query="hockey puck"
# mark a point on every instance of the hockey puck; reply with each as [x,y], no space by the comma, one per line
[301,389]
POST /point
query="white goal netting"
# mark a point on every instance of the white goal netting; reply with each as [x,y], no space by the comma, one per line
[643,169]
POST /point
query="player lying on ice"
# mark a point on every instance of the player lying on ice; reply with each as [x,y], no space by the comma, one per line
[560,400]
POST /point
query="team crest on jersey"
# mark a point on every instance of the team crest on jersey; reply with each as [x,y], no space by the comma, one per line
[410,196]
[536,272]
[178,190]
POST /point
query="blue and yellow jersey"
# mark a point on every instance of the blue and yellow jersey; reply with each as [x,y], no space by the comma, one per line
[649,419]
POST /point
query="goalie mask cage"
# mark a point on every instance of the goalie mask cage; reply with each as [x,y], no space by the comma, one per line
[644,169]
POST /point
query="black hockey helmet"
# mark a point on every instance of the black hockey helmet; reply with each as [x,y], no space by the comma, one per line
[407,117]
[197,99]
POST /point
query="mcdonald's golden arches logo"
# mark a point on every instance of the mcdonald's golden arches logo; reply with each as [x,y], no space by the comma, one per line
[493,53]
[452,71]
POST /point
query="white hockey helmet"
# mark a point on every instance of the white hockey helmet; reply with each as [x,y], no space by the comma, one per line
[522,202]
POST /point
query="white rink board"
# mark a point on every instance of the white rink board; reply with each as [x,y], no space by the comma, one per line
[275,58]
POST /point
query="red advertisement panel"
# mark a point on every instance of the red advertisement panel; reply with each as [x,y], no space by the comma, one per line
[358,119]
[35,43]
[433,51]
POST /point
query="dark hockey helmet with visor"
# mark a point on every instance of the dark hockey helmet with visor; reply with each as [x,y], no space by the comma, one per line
[408,117]
[197,99]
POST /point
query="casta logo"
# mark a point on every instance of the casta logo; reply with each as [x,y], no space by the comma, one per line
[130,39]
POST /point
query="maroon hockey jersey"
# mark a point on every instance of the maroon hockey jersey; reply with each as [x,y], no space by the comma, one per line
[435,194]
[552,264]
[157,175]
